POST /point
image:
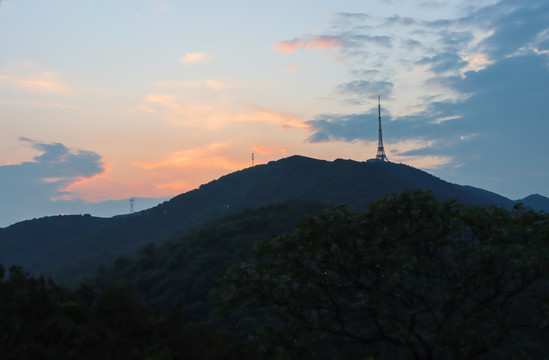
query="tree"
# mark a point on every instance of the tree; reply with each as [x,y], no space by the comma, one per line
[410,278]
[42,320]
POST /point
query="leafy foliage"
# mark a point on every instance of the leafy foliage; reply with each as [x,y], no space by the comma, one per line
[409,278]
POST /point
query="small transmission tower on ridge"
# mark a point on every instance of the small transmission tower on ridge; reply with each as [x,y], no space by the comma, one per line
[132,201]
[380,150]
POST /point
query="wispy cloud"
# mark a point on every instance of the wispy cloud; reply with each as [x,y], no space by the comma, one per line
[211,156]
[364,88]
[345,40]
[27,78]
[196,58]
[443,62]
[290,68]
[213,116]
[310,42]
[161,5]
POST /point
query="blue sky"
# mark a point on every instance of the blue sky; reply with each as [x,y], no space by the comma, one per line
[108,100]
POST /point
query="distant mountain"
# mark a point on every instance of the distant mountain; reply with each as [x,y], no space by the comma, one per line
[536,202]
[46,246]
[107,208]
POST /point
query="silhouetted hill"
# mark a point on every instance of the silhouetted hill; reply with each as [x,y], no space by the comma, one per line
[47,247]
[35,241]
[536,202]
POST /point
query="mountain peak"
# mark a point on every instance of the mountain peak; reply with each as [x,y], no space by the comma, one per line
[536,202]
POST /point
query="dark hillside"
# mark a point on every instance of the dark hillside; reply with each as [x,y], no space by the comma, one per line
[184,271]
[444,190]
[35,241]
[68,256]
[486,197]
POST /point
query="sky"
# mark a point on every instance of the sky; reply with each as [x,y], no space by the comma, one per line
[107,100]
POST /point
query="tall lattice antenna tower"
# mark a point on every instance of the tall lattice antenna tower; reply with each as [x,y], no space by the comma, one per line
[380,150]
[253,160]
[132,201]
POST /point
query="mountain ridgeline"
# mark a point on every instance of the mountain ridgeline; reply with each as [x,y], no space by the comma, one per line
[70,248]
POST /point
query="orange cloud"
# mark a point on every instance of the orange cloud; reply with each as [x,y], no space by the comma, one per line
[42,81]
[195,58]
[208,157]
[290,68]
[80,180]
[476,62]
[269,150]
[214,117]
[309,43]
[271,117]
[165,100]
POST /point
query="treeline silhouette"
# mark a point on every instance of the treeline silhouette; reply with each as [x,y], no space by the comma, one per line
[409,277]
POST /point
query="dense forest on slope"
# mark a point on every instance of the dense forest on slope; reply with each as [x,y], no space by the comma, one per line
[409,277]
[42,320]
[184,272]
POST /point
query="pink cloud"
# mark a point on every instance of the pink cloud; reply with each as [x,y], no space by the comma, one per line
[309,43]
[290,68]
[161,5]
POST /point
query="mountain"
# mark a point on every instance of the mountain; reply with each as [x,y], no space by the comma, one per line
[69,248]
[536,202]
[107,208]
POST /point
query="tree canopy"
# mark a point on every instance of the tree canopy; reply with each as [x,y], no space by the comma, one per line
[42,320]
[408,278]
